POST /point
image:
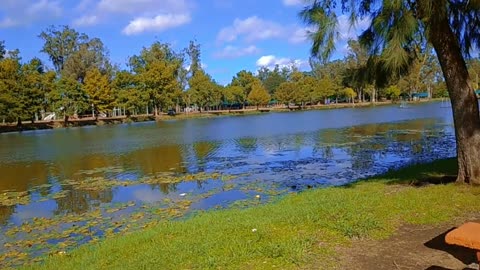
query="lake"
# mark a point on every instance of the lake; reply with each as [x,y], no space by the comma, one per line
[70,186]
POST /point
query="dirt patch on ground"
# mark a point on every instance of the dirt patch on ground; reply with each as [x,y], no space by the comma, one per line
[411,247]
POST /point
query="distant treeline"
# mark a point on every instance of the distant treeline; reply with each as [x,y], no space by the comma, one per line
[83,81]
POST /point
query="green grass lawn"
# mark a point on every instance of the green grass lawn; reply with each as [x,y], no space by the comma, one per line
[297,231]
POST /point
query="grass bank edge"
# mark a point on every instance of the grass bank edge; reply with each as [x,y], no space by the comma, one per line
[298,230]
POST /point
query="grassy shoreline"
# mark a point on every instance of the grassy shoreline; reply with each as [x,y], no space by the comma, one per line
[300,230]
[89,121]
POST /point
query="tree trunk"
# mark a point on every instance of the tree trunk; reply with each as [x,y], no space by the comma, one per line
[464,102]
[65,121]
[19,122]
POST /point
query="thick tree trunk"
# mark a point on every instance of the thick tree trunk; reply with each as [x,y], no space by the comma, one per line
[464,102]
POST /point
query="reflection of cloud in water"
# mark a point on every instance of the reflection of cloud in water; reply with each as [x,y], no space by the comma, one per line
[147,195]
[37,209]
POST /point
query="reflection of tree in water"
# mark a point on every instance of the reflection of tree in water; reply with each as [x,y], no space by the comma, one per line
[326,140]
[412,140]
[5,213]
[22,175]
[246,145]
[204,150]
[165,158]
[80,201]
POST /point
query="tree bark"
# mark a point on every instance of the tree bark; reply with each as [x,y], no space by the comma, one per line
[464,102]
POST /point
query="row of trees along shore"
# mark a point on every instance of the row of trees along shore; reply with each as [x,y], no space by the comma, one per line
[82,81]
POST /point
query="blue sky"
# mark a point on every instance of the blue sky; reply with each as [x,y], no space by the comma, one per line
[234,34]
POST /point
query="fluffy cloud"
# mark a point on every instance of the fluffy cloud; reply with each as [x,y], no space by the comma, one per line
[25,12]
[144,15]
[235,52]
[252,29]
[270,61]
[293,2]
[156,24]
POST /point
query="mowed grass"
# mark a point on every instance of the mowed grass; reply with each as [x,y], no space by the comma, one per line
[298,231]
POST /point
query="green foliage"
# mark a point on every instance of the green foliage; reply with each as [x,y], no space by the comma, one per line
[128,92]
[68,97]
[202,89]
[259,95]
[271,79]
[91,54]
[9,89]
[234,95]
[392,92]
[244,79]
[194,53]
[158,68]
[326,88]
[350,94]
[285,93]
[60,44]
[33,90]
[99,91]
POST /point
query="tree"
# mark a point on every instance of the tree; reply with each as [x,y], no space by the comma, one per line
[392,93]
[285,93]
[234,95]
[9,89]
[60,44]
[271,79]
[91,54]
[128,92]
[201,89]
[325,88]
[32,92]
[259,95]
[349,94]
[158,68]
[245,80]
[99,91]
[3,50]
[451,27]
[194,53]
[69,98]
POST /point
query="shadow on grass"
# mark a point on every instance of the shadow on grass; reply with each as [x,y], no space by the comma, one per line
[465,255]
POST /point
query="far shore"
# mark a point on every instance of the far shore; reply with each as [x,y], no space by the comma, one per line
[100,121]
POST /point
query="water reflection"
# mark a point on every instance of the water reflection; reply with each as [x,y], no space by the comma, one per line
[277,156]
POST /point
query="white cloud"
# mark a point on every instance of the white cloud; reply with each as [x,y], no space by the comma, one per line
[8,22]
[252,29]
[293,2]
[236,52]
[270,61]
[86,20]
[52,8]
[26,12]
[146,7]
[156,24]
[255,29]
[144,15]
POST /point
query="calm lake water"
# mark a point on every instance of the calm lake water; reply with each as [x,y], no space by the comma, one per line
[268,154]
